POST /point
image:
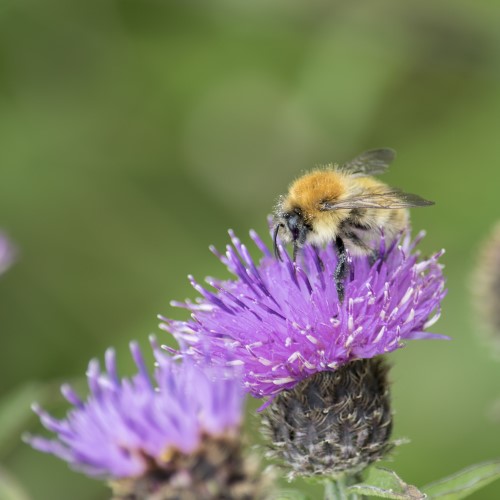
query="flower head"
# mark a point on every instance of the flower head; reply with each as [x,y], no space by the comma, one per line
[7,253]
[163,431]
[284,322]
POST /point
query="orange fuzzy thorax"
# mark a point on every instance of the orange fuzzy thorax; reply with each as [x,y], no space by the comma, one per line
[310,190]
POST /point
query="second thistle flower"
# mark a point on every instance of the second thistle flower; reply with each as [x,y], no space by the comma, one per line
[174,435]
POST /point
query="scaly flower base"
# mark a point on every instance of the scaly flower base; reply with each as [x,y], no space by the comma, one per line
[333,423]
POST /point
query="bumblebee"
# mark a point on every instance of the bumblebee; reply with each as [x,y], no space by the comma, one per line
[343,203]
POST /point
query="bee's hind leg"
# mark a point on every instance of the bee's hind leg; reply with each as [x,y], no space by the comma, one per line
[341,269]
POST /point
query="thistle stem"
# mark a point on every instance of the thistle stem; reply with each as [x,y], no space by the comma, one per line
[336,489]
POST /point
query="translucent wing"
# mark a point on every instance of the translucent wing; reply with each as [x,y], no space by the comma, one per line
[375,161]
[392,198]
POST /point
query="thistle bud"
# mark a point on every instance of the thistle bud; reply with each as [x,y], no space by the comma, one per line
[333,422]
[486,286]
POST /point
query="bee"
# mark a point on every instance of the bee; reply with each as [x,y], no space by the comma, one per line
[344,204]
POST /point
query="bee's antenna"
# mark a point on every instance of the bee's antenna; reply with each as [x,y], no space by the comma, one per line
[277,252]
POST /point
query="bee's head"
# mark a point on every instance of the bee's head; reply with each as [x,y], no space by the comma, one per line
[300,216]
[292,227]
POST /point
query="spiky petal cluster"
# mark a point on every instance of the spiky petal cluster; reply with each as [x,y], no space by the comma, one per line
[284,322]
[129,426]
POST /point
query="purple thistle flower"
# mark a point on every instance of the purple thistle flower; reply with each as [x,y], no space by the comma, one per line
[129,426]
[284,322]
[7,253]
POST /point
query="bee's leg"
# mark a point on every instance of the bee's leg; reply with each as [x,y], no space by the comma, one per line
[295,252]
[341,269]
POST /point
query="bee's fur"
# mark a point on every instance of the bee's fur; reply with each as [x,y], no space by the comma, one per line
[345,205]
[358,227]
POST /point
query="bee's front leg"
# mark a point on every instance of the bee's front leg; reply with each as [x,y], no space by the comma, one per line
[341,269]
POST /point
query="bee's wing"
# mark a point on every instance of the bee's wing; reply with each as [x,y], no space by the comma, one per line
[393,198]
[374,161]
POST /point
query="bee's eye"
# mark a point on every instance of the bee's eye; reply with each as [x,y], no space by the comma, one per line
[297,211]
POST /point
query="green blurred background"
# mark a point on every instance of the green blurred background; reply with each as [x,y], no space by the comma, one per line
[134,133]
